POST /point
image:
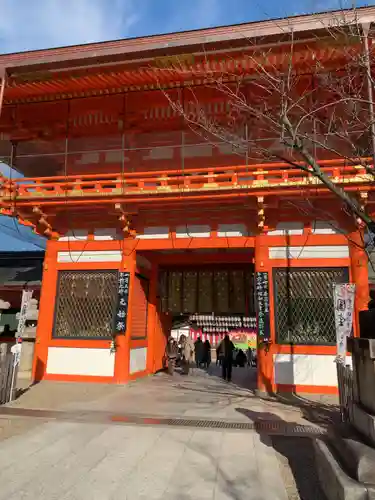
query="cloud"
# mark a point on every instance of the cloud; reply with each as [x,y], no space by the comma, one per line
[35,24]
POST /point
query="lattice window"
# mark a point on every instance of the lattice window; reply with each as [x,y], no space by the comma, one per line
[86,304]
[304,312]
[206,289]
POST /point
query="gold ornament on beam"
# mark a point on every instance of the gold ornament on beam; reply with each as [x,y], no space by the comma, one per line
[364,198]
[261,213]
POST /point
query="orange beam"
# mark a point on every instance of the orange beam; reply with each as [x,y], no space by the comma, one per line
[267,178]
[311,191]
[152,173]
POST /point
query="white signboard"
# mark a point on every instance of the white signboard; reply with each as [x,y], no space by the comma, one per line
[26,297]
[344,296]
[16,350]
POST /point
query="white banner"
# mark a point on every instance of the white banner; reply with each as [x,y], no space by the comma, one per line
[16,351]
[344,296]
[26,297]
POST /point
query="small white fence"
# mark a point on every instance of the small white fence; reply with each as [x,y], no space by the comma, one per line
[9,363]
[345,378]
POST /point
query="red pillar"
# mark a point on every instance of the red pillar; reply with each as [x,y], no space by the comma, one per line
[122,358]
[265,379]
[152,349]
[359,274]
[46,311]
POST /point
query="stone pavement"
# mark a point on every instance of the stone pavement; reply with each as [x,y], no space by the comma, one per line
[67,460]
[201,394]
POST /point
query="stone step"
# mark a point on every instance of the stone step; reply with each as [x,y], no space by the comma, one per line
[364,423]
[357,458]
[335,481]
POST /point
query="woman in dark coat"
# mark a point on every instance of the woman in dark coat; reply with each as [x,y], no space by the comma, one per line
[226,349]
[207,354]
[198,350]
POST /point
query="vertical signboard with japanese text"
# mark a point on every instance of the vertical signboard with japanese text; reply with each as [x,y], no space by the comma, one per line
[344,295]
[122,302]
[26,297]
[263,312]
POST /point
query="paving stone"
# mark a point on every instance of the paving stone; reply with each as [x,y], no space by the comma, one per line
[100,460]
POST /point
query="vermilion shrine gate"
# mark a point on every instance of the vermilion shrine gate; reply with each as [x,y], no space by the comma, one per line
[118,181]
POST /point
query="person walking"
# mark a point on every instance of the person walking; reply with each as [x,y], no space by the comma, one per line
[207,354]
[226,349]
[187,350]
[172,353]
[219,355]
[249,356]
[241,358]
[198,350]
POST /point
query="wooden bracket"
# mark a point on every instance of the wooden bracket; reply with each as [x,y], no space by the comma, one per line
[126,221]
[42,221]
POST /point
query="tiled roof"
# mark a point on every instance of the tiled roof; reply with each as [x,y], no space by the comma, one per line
[17,238]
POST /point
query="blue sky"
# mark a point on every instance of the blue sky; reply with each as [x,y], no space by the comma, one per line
[35,24]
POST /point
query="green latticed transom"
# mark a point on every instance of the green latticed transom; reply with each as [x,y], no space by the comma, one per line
[304,310]
[85,304]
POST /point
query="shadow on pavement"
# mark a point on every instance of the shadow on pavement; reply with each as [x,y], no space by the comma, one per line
[316,412]
[234,488]
[244,385]
[298,453]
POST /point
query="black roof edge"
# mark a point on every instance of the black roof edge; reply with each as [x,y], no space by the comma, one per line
[37,255]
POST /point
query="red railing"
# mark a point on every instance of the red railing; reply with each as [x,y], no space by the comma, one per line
[265,177]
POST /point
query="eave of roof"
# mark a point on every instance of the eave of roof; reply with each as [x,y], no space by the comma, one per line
[138,47]
[21,255]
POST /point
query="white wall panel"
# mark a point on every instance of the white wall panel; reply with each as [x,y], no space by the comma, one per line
[105,234]
[305,369]
[138,360]
[80,361]
[89,256]
[309,252]
[76,235]
[287,228]
[232,230]
[321,227]
[154,233]
[200,231]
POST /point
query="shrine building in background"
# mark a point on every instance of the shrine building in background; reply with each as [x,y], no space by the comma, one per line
[153,222]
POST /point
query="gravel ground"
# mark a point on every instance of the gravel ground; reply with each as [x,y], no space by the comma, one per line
[297,466]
